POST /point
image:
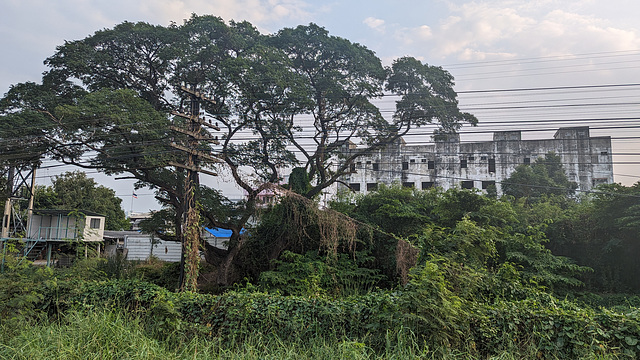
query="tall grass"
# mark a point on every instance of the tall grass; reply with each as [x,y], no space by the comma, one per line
[109,334]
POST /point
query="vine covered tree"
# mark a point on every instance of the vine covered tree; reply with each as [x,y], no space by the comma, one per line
[292,99]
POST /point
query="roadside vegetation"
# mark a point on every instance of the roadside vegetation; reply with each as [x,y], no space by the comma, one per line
[395,274]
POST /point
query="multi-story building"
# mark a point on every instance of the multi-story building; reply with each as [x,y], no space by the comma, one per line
[448,163]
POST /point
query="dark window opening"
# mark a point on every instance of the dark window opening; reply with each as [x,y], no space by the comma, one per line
[486,184]
[353,168]
[375,166]
[407,184]
[431,164]
[467,184]
[483,158]
[471,158]
[463,163]
[527,161]
[427,185]
[95,224]
[412,161]
[604,153]
[372,186]
[405,165]
[368,162]
[492,165]
[355,186]
[423,160]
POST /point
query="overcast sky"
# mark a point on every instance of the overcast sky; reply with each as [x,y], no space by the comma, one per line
[486,45]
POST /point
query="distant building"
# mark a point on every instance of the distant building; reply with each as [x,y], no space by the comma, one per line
[136,217]
[449,163]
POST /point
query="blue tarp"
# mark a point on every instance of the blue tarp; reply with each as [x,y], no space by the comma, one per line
[219,232]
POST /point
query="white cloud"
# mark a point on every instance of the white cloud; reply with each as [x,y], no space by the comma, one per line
[261,13]
[375,24]
[476,30]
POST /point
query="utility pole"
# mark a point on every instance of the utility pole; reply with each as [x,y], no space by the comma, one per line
[191,218]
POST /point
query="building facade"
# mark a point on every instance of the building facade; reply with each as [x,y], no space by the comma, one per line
[448,163]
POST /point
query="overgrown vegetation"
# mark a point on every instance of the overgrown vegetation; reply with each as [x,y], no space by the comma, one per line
[483,283]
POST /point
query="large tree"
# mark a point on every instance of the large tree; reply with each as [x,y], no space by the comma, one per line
[295,98]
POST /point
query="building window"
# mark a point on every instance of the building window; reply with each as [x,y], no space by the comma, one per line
[463,163]
[353,168]
[413,161]
[527,161]
[369,162]
[486,184]
[427,185]
[467,184]
[423,160]
[405,165]
[372,186]
[94,224]
[605,153]
[375,166]
[492,165]
[407,184]
[355,186]
[431,164]
[483,158]
[471,158]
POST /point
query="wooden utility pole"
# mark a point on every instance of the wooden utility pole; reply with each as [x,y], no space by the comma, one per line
[191,218]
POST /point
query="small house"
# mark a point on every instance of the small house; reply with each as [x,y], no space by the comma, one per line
[66,225]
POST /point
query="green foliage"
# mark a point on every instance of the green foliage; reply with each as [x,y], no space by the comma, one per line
[544,177]
[311,275]
[468,228]
[75,191]
[433,312]
[299,181]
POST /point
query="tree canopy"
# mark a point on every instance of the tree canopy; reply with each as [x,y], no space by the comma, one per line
[295,98]
[75,191]
[544,177]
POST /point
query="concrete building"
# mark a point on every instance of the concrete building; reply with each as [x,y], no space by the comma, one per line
[449,163]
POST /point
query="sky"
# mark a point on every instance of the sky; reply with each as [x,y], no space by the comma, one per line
[563,62]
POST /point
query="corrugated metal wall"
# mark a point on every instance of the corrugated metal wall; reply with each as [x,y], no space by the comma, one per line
[140,248]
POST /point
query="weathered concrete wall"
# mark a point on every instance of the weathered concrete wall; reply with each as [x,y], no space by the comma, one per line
[449,163]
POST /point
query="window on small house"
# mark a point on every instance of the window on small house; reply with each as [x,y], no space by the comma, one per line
[471,158]
[375,166]
[492,165]
[355,186]
[353,168]
[431,164]
[372,186]
[604,153]
[427,185]
[369,162]
[407,184]
[423,160]
[467,184]
[405,165]
[463,163]
[412,161]
[527,161]
[483,158]
[94,224]
[486,184]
